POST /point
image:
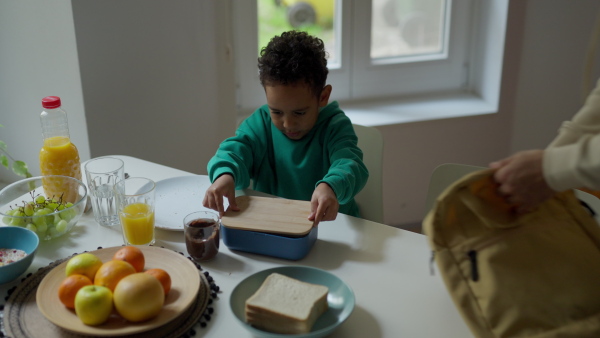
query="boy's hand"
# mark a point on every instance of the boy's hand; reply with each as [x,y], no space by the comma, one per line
[223,186]
[324,204]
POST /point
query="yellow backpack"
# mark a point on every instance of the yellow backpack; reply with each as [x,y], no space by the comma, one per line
[509,275]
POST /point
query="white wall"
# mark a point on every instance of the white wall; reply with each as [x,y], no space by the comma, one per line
[544,53]
[157,80]
[551,66]
[165,65]
[38,58]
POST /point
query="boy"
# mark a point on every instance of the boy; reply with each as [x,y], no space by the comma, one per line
[297,146]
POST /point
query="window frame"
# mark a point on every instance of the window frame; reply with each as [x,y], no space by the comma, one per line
[471,55]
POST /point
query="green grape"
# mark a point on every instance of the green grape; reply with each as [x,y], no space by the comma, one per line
[52,205]
[42,212]
[40,199]
[52,232]
[17,221]
[66,215]
[40,219]
[28,209]
[61,207]
[56,220]
[31,227]
[61,226]
[6,220]
[42,227]
[69,204]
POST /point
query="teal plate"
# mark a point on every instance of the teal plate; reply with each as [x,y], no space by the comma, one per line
[340,299]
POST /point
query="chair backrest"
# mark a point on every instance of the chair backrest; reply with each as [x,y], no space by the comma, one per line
[442,177]
[370,198]
[448,173]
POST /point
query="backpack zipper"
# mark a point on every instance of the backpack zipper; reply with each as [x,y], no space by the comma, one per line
[472,253]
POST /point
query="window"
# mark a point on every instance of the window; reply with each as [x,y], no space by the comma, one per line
[378,48]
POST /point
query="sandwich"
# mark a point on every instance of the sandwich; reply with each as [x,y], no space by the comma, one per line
[286,305]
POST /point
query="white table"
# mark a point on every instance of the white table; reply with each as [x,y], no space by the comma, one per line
[388,269]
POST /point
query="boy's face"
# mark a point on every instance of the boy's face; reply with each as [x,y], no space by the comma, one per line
[295,108]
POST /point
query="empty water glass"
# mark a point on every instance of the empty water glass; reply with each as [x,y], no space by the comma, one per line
[102,173]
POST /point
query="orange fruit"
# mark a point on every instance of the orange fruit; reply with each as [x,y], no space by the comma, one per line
[163,277]
[111,272]
[68,289]
[131,255]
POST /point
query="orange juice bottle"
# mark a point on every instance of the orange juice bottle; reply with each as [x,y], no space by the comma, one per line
[58,155]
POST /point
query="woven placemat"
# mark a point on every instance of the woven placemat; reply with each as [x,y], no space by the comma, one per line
[21,317]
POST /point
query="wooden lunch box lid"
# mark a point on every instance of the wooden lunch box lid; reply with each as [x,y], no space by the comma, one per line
[271,215]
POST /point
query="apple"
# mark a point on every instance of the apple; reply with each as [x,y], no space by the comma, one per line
[93,304]
[83,264]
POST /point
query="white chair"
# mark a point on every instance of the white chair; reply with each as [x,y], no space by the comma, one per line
[446,174]
[370,198]
[442,177]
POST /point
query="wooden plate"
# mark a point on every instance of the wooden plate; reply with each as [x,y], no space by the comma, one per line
[272,215]
[185,283]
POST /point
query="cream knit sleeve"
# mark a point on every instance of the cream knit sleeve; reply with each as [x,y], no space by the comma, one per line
[572,160]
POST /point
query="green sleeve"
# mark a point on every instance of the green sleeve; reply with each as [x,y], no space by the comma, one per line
[236,155]
[347,173]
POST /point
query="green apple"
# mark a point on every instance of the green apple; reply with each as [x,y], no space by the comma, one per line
[83,264]
[93,304]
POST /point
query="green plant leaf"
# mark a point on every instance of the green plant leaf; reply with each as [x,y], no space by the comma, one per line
[4,161]
[3,146]
[20,168]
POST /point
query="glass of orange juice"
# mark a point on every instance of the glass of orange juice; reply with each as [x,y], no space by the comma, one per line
[135,204]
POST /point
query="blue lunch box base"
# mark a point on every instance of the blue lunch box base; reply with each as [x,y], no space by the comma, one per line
[292,248]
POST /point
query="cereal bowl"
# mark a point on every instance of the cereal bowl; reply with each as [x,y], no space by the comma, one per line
[14,243]
[48,205]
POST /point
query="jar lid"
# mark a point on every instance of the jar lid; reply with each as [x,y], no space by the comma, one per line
[51,102]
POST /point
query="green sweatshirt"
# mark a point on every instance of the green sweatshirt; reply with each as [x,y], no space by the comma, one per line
[292,169]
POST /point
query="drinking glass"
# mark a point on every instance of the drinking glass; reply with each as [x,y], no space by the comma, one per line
[102,173]
[202,234]
[135,203]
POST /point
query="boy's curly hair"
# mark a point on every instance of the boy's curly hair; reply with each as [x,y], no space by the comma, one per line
[293,57]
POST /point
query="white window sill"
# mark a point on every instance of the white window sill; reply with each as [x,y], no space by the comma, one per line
[398,111]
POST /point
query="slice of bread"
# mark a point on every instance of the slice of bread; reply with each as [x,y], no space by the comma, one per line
[286,305]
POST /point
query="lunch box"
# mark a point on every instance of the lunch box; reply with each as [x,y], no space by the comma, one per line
[273,227]
[292,248]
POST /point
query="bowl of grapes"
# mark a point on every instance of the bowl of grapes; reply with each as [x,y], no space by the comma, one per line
[49,205]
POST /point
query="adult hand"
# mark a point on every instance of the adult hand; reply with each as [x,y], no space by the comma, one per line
[223,186]
[323,204]
[521,179]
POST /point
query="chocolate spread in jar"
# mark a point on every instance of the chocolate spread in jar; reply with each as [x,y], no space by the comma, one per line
[202,239]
